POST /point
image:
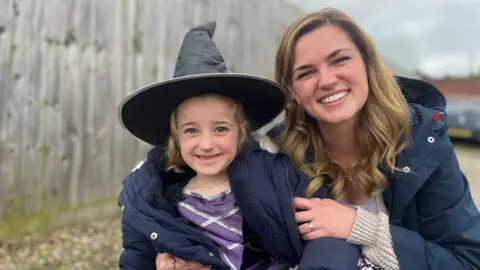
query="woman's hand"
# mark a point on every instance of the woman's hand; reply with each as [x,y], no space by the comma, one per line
[323,218]
[165,261]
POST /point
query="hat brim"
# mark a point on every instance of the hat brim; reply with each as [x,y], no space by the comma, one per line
[146,113]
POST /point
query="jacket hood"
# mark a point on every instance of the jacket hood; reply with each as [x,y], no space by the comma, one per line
[422,93]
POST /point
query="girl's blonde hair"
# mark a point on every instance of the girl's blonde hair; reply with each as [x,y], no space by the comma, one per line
[383,128]
[174,160]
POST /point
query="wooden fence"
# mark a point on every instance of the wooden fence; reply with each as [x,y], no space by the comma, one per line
[65,65]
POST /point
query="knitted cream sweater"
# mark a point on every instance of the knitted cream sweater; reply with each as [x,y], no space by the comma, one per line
[372,232]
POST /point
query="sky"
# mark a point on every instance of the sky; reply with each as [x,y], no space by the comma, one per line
[436,37]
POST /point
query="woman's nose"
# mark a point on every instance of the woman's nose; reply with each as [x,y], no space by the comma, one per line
[327,78]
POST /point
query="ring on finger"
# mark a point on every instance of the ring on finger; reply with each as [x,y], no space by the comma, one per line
[311,227]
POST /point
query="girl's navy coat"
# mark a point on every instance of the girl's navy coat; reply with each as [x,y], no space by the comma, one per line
[263,185]
[434,222]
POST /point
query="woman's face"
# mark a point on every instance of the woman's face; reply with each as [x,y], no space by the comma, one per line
[329,76]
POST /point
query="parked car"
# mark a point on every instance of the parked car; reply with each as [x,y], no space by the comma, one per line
[463,119]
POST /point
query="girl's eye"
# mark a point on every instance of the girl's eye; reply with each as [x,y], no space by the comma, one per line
[190,130]
[221,129]
[341,60]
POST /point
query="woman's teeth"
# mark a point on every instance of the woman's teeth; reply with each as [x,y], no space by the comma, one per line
[333,98]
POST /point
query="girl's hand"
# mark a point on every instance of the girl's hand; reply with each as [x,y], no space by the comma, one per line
[323,218]
[166,261]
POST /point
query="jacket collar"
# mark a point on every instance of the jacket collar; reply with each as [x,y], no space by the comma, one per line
[149,184]
[166,187]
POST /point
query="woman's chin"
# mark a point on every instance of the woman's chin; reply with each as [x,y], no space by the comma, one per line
[337,118]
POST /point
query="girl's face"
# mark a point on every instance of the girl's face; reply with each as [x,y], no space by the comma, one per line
[208,134]
[329,76]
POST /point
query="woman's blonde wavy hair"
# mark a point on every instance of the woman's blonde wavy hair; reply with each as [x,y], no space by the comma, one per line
[383,128]
[174,160]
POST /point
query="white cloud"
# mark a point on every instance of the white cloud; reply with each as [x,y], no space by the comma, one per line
[453,64]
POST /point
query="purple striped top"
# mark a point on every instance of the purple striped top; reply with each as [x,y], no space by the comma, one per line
[220,219]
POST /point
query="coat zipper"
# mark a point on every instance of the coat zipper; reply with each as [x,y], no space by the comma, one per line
[285,173]
[289,187]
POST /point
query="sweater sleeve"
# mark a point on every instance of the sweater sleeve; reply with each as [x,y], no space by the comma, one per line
[372,232]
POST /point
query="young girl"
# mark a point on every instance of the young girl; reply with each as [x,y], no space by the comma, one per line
[213,196]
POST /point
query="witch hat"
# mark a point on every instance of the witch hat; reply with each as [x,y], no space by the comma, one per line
[200,69]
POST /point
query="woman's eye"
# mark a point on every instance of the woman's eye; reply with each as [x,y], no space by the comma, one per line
[341,60]
[304,74]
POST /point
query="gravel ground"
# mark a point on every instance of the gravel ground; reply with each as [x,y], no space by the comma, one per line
[93,246]
[97,246]
[468,155]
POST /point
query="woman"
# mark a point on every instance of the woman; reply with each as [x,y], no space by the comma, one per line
[378,143]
